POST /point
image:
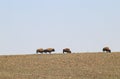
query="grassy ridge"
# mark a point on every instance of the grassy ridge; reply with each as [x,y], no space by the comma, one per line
[61,66]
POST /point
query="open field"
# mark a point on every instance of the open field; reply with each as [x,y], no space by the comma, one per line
[61,66]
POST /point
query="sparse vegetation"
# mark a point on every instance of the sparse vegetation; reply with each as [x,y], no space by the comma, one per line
[61,66]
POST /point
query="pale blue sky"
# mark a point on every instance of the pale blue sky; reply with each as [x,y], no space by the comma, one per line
[82,25]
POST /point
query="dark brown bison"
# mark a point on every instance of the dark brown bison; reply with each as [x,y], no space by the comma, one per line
[49,50]
[106,49]
[40,50]
[67,50]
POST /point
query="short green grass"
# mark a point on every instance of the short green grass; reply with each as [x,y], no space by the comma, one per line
[61,66]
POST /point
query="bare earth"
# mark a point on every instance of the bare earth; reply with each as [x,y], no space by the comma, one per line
[61,66]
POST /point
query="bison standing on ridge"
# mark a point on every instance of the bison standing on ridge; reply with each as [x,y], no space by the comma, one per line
[49,50]
[67,50]
[40,50]
[107,49]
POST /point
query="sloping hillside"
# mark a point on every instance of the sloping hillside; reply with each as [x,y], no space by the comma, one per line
[61,66]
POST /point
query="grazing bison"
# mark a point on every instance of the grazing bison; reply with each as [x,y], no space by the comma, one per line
[67,50]
[40,50]
[49,50]
[106,49]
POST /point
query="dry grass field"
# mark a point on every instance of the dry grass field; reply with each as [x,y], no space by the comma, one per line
[61,66]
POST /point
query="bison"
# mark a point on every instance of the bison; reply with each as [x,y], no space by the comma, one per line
[49,50]
[40,50]
[106,49]
[67,50]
